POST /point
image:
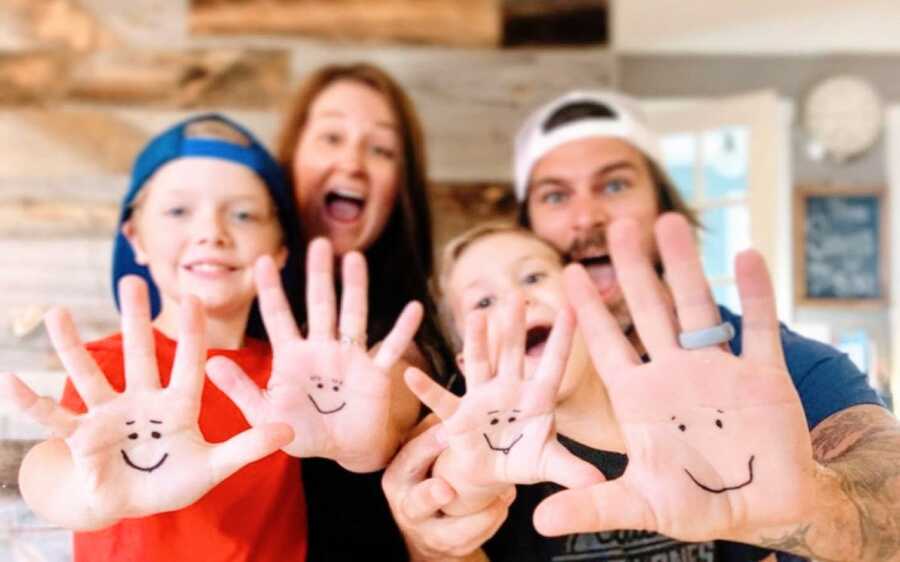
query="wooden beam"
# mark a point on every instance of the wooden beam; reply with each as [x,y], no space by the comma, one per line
[555,22]
[445,22]
[230,77]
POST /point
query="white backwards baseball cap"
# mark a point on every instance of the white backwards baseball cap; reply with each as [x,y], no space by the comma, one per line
[534,140]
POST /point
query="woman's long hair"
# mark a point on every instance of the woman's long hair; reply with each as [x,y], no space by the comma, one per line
[400,261]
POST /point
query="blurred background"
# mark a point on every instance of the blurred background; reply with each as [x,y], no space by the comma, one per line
[781,124]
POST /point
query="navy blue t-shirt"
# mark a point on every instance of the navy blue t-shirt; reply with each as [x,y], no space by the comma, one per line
[827,382]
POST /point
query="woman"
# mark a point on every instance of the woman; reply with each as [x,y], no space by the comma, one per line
[353,149]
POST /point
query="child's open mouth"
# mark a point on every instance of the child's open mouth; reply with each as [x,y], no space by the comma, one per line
[536,340]
[344,205]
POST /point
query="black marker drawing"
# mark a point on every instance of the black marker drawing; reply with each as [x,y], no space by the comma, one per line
[133,436]
[682,427]
[494,421]
[725,488]
[504,450]
[320,384]
[143,468]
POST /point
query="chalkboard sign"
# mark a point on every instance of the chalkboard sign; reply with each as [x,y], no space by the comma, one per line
[841,257]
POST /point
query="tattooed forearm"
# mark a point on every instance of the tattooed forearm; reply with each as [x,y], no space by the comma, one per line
[860,449]
[796,542]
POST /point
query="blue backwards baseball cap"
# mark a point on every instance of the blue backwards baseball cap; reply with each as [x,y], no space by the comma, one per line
[209,135]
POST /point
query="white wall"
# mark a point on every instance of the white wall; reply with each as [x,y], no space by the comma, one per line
[893,151]
[756,26]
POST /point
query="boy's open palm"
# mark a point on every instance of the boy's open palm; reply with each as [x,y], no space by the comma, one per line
[502,431]
[328,388]
[138,452]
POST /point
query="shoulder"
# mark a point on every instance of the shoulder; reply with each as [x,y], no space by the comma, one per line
[825,378]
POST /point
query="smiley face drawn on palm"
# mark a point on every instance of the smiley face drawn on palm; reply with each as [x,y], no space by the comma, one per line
[711,427]
[320,394]
[502,431]
[497,419]
[333,392]
[139,451]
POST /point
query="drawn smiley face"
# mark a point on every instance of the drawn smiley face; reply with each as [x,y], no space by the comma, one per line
[719,425]
[497,418]
[322,387]
[134,436]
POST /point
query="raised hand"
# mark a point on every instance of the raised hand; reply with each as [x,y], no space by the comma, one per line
[417,499]
[138,452]
[502,431]
[717,444]
[328,388]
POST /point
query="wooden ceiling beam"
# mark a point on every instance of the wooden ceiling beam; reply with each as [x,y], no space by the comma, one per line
[471,23]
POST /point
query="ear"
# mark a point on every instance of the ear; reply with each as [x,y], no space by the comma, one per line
[280,257]
[461,363]
[129,231]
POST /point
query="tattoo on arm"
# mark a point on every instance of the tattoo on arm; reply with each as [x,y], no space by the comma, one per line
[861,446]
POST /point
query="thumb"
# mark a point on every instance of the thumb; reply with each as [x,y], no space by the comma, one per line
[562,467]
[251,445]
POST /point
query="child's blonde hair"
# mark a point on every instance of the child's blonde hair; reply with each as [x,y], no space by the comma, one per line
[453,251]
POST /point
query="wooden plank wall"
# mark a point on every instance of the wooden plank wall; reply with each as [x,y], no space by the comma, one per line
[84,83]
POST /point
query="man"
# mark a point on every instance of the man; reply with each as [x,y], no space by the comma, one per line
[587,160]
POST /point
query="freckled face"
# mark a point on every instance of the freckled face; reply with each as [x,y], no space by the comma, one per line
[347,165]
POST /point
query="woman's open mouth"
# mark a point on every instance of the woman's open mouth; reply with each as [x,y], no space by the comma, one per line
[344,206]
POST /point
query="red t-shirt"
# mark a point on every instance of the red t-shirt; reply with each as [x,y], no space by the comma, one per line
[258,514]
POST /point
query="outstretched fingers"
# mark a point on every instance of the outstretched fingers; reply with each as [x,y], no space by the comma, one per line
[281,327]
[694,304]
[40,409]
[400,337]
[761,331]
[251,445]
[89,381]
[190,355]
[434,396]
[354,298]
[602,507]
[552,366]
[476,365]
[138,346]
[644,291]
[240,389]
[512,346]
[610,350]
[320,299]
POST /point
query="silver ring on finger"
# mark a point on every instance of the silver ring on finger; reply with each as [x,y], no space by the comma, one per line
[707,337]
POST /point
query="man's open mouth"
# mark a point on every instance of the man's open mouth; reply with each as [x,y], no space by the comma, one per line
[601,271]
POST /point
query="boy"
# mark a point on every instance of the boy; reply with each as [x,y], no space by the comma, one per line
[134,464]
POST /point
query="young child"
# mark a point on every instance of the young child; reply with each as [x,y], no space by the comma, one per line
[165,466]
[505,281]
[503,295]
